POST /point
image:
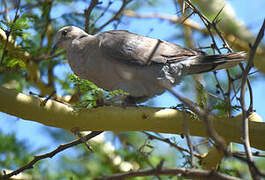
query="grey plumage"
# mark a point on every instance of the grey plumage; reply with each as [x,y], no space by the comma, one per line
[134,63]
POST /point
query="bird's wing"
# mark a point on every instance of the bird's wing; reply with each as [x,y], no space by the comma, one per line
[133,48]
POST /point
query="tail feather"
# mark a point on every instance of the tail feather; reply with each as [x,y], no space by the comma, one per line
[202,63]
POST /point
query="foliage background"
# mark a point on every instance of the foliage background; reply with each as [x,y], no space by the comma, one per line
[114,152]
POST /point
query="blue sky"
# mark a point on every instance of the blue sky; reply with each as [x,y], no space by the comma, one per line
[252,14]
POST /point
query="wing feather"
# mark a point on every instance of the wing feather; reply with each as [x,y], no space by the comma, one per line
[133,48]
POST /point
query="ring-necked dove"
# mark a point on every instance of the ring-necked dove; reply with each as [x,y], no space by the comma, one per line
[136,64]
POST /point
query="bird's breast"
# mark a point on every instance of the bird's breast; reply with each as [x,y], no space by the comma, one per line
[112,75]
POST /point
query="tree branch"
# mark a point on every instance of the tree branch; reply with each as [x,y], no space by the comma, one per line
[88,12]
[59,115]
[180,172]
[245,121]
[166,140]
[51,154]
[114,17]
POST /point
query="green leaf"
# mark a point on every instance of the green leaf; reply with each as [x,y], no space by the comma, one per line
[14,62]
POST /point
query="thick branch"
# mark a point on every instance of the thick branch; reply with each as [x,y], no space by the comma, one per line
[122,119]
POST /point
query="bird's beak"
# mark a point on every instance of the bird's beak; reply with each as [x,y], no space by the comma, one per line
[55,47]
[58,45]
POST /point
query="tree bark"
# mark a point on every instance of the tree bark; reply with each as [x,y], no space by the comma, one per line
[119,119]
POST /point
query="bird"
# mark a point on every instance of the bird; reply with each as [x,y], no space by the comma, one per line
[141,66]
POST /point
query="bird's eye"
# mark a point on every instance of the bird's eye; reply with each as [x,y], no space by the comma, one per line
[64,33]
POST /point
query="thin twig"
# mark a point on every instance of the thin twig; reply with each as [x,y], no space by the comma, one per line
[102,14]
[87,13]
[228,99]
[145,157]
[50,154]
[166,140]
[77,132]
[242,101]
[218,85]
[215,20]
[251,164]
[47,7]
[241,153]
[209,24]
[220,142]
[187,136]
[180,172]
[43,103]
[6,11]
[115,17]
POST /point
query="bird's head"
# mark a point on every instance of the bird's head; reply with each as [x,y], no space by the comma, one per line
[65,36]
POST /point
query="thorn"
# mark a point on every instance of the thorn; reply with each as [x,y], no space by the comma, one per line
[182,22]
[76,132]
[43,103]
[250,45]
[160,165]
[215,20]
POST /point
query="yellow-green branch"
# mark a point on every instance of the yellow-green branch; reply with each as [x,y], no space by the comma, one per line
[122,119]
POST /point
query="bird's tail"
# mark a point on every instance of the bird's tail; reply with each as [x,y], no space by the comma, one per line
[202,63]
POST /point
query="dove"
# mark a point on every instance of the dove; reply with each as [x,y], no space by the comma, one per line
[140,66]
